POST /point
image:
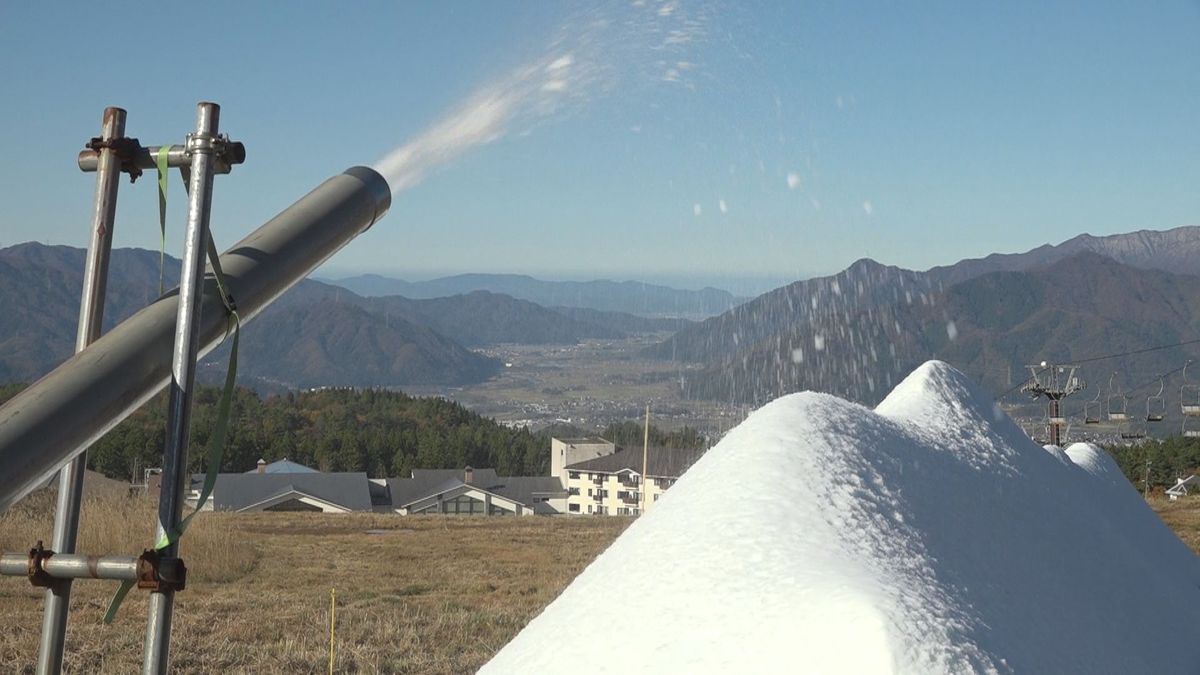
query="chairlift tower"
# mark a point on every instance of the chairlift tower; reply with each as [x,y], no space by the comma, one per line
[1053,382]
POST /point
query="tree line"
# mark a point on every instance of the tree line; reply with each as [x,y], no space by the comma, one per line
[383,433]
[1169,458]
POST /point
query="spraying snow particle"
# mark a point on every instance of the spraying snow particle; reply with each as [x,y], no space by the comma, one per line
[592,56]
[868,209]
[696,210]
[951,331]
[723,206]
[793,181]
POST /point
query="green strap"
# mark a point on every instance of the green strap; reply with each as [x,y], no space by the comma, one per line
[115,603]
[216,445]
[162,211]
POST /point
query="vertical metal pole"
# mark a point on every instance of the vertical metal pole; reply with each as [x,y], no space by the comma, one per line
[1055,432]
[91,314]
[183,374]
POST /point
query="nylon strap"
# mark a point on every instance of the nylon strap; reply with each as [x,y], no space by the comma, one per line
[162,211]
[216,445]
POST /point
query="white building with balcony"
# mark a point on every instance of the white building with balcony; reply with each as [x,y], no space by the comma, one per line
[613,484]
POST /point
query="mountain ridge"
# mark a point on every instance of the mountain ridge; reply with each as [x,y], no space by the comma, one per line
[632,297]
[989,326]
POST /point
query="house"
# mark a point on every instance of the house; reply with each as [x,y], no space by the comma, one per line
[288,486]
[612,484]
[475,491]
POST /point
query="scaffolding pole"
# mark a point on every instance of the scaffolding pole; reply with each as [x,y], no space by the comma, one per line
[91,316]
[48,426]
[183,375]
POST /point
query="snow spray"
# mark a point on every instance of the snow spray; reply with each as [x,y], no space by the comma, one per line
[593,54]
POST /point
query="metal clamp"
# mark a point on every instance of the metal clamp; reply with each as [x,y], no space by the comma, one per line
[159,573]
[224,150]
[127,150]
[38,576]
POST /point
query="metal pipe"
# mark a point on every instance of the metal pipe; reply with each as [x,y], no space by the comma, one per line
[67,566]
[183,375]
[14,565]
[70,408]
[91,315]
[177,156]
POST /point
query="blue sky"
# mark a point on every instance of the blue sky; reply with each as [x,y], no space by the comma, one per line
[913,133]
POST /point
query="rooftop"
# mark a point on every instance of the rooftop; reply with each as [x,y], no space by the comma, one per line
[582,440]
[284,465]
[664,462]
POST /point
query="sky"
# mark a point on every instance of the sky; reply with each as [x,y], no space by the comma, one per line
[688,142]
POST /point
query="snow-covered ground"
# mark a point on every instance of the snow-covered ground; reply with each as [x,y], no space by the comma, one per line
[926,536]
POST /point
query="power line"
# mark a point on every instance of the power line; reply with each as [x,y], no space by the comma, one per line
[1137,351]
[1118,355]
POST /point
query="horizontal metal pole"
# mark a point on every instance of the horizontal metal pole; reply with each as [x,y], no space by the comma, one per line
[147,158]
[14,564]
[73,566]
[53,420]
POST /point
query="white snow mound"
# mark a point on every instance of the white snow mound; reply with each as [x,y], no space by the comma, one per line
[926,536]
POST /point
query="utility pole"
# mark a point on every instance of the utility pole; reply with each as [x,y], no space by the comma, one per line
[1054,382]
[1146,489]
[645,458]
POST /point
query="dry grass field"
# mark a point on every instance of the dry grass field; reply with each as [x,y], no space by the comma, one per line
[1182,516]
[428,594]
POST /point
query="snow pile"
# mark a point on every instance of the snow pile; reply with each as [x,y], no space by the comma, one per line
[927,536]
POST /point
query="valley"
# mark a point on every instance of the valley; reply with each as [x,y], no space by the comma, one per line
[589,386]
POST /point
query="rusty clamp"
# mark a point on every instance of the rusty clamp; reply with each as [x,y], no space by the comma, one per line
[36,571]
[159,573]
[127,150]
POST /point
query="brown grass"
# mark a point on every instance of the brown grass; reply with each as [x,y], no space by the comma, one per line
[218,549]
[429,594]
[1182,516]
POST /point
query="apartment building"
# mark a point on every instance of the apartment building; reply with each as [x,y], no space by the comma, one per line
[613,484]
[564,451]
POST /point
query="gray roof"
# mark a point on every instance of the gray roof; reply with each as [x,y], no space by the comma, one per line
[662,462]
[582,440]
[284,465]
[236,491]
[523,488]
[424,481]
[429,482]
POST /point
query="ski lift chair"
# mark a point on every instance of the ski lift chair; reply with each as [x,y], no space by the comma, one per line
[1118,403]
[1189,396]
[1092,410]
[1131,432]
[1156,405]
[1189,433]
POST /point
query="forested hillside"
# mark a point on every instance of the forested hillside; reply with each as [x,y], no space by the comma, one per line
[383,433]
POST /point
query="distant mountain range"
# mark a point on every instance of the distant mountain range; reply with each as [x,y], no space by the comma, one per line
[1176,250]
[315,335]
[631,297]
[855,333]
